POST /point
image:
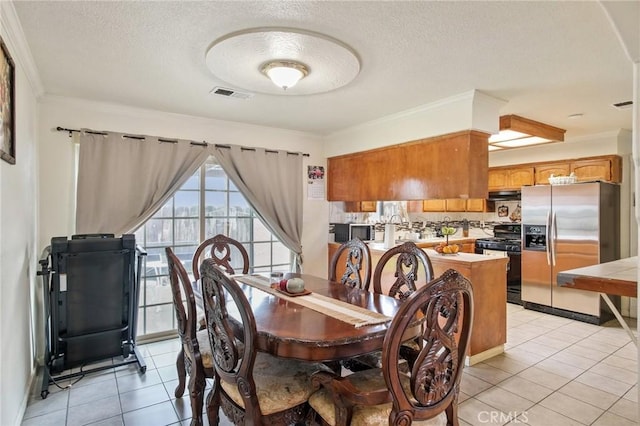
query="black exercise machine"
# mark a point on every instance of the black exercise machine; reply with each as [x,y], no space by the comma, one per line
[91,288]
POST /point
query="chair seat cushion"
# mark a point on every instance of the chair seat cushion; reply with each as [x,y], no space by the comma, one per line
[281,383]
[205,348]
[366,381]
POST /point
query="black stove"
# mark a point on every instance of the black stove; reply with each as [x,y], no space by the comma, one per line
[501,244]
[506,238]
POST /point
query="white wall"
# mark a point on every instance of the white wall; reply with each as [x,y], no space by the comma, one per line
[470,110]
[18,249]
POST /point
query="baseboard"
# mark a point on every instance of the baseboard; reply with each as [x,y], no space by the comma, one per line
[489,353]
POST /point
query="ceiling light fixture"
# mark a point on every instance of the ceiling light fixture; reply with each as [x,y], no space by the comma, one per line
[285,74]
[516,132]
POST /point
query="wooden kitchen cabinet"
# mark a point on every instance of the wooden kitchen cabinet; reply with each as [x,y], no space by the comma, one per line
[509,178]
[468,247]
[434,205]
[455,205]
[440,167]
[543,171]
[606,168]
[480,205]
[360,206]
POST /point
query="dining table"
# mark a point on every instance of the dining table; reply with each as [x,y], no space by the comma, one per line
[330,322]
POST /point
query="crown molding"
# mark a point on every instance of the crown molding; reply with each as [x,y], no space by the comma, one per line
[16,42]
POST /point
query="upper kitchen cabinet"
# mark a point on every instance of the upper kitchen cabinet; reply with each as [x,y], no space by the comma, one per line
[360,206]
[447,166]
[453,205]
[543,171]
[434,205]
[607,168]
[509,178]
[456,205]
[480,205]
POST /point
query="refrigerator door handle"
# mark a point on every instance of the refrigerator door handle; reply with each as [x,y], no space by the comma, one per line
[548,237]
[554,237]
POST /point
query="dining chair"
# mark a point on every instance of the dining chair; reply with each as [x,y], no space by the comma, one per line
[225,252]
[410,262]
[357,257]
[255,388]
[427,394]
[411,266]
[195,357]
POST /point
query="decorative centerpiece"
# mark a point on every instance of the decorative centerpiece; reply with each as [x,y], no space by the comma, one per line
[445,247]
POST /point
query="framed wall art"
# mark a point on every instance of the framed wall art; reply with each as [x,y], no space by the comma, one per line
[7,106]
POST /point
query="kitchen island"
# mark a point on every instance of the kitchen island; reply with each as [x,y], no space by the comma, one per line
[489,280]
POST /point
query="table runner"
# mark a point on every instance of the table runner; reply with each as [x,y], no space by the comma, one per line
[337,309]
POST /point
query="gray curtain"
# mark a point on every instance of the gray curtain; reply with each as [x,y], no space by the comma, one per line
[271,181]
[123,181]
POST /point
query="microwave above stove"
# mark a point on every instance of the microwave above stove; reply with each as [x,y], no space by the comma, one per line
[347,231]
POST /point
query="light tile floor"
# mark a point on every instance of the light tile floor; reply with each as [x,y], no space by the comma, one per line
[555,371]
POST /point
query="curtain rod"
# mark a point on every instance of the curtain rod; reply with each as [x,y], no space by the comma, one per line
[203,143]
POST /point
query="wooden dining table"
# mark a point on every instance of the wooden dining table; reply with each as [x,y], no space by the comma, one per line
[288,329]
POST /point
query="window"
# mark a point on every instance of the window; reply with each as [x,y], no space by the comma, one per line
[206,205]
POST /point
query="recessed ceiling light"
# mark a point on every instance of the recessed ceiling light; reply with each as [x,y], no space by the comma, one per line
[578,115]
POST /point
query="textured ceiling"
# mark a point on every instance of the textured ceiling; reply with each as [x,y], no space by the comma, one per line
[548,59]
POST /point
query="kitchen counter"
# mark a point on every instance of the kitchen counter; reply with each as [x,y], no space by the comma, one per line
[489,281]
[618,278]
[466,243]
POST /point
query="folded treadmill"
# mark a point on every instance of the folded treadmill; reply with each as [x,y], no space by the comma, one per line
[91,289]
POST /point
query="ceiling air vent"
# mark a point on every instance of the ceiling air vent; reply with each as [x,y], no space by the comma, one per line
[230,93]
[623,105]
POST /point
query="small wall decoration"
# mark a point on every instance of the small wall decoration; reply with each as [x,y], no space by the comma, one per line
[315,183]
[7,106]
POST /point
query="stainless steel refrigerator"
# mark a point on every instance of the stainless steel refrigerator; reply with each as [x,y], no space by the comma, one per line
[566,227]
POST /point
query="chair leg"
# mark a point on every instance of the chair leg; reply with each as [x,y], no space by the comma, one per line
[197,384]
[182,375]
[213,404]
[452,413]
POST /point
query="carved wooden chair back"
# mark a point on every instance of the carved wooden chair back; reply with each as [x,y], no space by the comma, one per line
[447,306]
[411,262]
[430,386]
[226,252]
[255,388]
[412,267]
[357,259]
[194,358]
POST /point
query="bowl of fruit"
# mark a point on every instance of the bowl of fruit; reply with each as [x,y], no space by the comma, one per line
[447,249]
